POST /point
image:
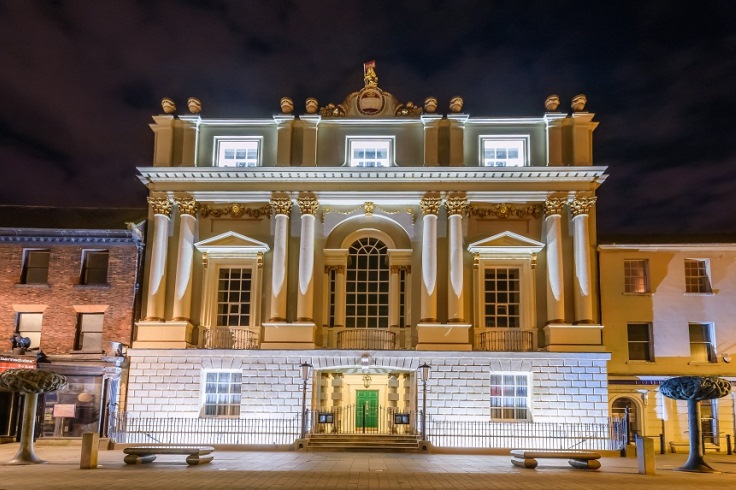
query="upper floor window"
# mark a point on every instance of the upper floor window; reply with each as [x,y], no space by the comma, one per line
[702,342]
[89,332]
[504,152]
[367,285]
[222,393]
[234,297]
[640,341]
[35,267]
[29,326]
[509,396]
[94,266]
[238,152]
[636,276]
[502,288]
[370,152]
[697,277]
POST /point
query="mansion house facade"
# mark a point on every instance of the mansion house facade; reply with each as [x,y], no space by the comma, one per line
[365,239]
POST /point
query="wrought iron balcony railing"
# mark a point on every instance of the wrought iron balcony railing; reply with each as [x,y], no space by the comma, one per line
[364,338]
[506,340]
[229,338]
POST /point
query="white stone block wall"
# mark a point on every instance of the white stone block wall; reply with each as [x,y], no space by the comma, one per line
[565,387]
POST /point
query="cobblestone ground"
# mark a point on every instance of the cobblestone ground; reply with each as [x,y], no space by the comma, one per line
[327,470]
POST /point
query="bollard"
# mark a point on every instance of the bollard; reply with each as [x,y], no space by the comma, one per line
[729,449]
[645,455]
[90,446]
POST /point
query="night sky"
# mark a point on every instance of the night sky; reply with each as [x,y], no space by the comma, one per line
[80,80]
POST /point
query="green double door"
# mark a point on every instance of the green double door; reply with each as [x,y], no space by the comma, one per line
[366,409]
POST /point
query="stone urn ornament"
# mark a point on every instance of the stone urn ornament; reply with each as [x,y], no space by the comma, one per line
[29,382]
[695,389]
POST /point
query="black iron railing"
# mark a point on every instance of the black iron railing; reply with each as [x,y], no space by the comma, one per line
[527,435]
[364,338]
[506,340]
[364,419]
[470,434]
[229,338]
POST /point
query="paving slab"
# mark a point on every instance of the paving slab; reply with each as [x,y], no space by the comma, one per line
[343,470]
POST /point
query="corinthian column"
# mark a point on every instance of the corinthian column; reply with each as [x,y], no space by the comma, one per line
[305,300]
[580,208]
[183,287]
[430,207]
[161,207]
[456,207]
[555,281]
[281,207]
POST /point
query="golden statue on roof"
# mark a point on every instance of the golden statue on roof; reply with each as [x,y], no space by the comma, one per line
[370,101]
[369,74]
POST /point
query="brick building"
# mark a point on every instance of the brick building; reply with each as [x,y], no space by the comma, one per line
[68,284]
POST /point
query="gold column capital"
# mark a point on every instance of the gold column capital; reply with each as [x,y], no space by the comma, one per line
[281,205]
[160,205]
[430,205]
[187,205]
[456,205]
[554,205]
[582,205]
[308,205]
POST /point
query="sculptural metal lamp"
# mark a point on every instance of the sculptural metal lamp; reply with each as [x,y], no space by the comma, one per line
[305,367]
[424,371]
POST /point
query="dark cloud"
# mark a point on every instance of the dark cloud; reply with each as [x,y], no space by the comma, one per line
[82,78]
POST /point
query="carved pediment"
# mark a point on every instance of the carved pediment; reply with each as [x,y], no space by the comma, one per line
[506,242]
[231,242]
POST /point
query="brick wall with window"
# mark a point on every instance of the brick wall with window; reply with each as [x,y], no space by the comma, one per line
[63,295]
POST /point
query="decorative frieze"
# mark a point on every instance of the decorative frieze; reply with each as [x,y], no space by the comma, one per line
[456,205]
[281,205]
[430,205]
[554,205]
[308,205]
[186,205]
[369,208]
[160,205]
[505,211]
[340,269]
[582,205]
[235,211]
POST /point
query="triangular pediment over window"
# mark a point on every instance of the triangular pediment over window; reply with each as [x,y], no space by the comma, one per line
[504,243]
[231,242]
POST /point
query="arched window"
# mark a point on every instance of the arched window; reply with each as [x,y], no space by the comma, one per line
[367,285]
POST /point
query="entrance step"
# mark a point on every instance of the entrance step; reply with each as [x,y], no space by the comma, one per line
[362,442]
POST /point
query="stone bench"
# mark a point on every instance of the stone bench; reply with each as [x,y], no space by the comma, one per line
[586,460]
[147,454]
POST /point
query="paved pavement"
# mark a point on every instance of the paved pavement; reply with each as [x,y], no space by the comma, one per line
[328,470]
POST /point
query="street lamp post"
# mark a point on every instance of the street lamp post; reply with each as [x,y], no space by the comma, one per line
[424,373]
[305,367]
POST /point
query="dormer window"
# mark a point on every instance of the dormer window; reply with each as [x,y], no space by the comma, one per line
[504,152]
[238,152]
[370,152]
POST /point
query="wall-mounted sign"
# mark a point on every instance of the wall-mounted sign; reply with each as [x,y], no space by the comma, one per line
[12,361]
[65,410]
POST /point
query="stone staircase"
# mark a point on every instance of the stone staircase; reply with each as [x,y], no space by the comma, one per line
[361,442]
